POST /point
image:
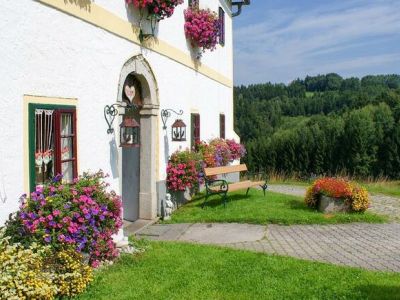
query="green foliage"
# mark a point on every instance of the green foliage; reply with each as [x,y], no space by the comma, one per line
[40,272]
[322,125]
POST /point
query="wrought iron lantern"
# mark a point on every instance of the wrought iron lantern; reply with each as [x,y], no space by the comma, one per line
[179,131]
[129,128]
[129,132]
[178,128]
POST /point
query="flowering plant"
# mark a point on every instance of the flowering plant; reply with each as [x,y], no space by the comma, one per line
[338,188]
[222,153]
[183,170]
[83,215]
[202,28]
[237,150]
[161,8]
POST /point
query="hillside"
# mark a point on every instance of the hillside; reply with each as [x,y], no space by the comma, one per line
[322,125]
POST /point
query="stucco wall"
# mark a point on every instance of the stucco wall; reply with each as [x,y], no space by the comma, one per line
[46,52]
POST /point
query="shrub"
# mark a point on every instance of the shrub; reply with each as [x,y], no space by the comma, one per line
[338,188]
[71,275]
[21,275]
[202,28]
[183,170]
[41,272]
[82,215]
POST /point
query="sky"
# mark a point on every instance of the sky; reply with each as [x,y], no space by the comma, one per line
[282,40]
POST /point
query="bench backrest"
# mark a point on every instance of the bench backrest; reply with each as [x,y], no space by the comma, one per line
[224,170]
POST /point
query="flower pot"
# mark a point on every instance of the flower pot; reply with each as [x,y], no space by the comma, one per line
[183,197]
[332,205]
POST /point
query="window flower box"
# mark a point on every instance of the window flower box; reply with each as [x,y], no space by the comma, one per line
[202,28]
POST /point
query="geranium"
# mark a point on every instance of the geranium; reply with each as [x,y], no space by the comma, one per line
[202,28]
[161,8]
[183,171]
[237,150]
[83,215]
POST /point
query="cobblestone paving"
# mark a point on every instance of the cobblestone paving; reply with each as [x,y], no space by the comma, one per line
[369,246]
[380,204]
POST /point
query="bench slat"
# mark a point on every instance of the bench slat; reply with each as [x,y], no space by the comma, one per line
[224,170]
[243,185]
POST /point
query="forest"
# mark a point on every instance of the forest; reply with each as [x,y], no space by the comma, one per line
[322,125]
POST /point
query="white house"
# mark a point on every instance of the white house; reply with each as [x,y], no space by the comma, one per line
[64,61]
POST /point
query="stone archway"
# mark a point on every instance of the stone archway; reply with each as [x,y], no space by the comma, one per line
[140,68]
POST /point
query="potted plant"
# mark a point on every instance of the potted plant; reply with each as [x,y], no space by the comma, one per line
[183,175]
[160,8]
[332,195]
[202,28]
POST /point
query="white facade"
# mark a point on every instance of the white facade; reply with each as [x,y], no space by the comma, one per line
[51,53]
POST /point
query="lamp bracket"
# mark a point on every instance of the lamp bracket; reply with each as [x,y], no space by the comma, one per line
[111,111]
[166,113]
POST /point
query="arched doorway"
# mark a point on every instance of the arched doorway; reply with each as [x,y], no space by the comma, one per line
[138,167]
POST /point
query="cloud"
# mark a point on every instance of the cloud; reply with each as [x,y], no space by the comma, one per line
[337,37]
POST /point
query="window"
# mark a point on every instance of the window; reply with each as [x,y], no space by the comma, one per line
[221,15]
[222,126]
[194,3]
[52,143]
[195,129]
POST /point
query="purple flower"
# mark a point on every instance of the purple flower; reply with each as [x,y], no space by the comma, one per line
[57,178]
[47,239]
[67,206]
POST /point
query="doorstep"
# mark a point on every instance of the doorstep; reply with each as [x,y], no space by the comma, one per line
[131,228]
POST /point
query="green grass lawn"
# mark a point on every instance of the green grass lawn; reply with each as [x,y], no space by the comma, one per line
[256,209]
[185,271]
[390,188]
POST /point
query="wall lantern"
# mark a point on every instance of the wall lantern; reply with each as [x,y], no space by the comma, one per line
[178,128]
[179,131]
[129,132]
[129,128]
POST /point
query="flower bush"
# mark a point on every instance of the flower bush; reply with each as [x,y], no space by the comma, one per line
[71,275]
[338,188]
[202,28]
[237,150]
[21,275]
[82,215]
[185,168]
[161,8]
[40,272]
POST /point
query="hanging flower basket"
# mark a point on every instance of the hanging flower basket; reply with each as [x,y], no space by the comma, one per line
[202,28]
[160,8]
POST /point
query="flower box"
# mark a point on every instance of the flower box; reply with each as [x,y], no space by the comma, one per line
[333,205]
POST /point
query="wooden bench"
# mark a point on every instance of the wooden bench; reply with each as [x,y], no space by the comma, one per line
[221,187]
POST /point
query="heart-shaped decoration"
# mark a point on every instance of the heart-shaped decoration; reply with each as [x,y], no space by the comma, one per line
[130,92]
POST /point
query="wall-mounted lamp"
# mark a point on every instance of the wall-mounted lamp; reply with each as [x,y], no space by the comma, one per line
[178,129]
[239,5]
[129,132]
[129,128]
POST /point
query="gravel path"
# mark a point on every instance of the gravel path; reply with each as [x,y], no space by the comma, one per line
[380,204]
[368,246]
